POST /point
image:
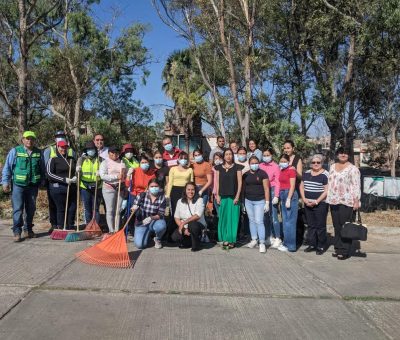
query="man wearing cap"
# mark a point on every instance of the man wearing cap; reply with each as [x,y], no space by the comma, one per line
[22,174]
[171,153]
[88,166]
[49,153]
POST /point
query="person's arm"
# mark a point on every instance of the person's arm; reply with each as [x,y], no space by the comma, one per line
[299,169]
[239,188]
[217,197]
[209,180]
[51,172]
[355,190]
[170,182]
[323,195]
[8,169]
[302,193]
[266,189]
[104,173]
[292,187]
[191,178]
[277,173]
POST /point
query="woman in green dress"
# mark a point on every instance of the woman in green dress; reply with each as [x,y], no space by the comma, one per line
[228,189]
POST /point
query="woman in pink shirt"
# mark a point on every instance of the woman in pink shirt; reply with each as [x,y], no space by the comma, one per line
[271,221]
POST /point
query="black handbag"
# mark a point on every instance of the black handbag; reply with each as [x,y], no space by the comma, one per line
[355,230]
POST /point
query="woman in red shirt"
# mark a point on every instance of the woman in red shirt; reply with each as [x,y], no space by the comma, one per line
[140,177]
[289,201]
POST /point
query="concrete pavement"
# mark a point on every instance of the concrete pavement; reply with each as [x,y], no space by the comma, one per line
[45,293]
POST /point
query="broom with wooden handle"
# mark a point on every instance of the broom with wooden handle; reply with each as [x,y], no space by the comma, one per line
[93,227]
[61,234]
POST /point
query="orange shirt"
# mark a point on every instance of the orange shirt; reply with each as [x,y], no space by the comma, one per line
[140,180]
[201,170]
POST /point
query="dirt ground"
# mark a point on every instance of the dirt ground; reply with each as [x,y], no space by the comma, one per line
[388,218]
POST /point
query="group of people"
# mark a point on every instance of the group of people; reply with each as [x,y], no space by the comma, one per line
[169,192]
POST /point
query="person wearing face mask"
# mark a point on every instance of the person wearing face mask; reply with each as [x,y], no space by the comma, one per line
[88,165]
[128,158]
[161,170]
[217,160]
[257,198]
[140,177]
[150,209]
[202,175]
[289,200]
[272,224]
[242,159]
[178,177]
[48,153]
[58,169]
[112,172]
[171,153]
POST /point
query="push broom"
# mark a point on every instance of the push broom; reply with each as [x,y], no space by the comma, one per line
[111,252]
[79,235]
[61,234]
[93,227]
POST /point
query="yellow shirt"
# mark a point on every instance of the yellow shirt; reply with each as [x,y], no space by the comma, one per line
[178,178]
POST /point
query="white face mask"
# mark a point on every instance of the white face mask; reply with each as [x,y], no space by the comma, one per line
[129,155]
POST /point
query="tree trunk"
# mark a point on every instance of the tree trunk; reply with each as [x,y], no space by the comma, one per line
[394,153]
[22,73]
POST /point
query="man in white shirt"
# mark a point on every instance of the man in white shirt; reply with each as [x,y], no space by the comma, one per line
[98,140]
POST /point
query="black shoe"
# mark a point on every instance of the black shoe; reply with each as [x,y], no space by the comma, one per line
[195,249]
[181,246]
[17,238]
[342,257]
[334,254]
[309,249]
[319,251]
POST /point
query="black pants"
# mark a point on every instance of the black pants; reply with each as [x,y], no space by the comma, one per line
[175,196]
[340,215]
[52,208]
[316,219]
[59,195]
[189,241]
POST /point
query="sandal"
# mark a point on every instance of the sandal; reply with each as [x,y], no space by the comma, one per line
[231,245]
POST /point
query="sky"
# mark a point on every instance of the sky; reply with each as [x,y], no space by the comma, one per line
[160,40]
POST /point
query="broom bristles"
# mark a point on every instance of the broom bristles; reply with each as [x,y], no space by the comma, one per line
[112,252]
[93,228]
[59,234]
[78,236]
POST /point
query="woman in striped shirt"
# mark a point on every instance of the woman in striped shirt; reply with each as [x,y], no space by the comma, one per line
[313,191]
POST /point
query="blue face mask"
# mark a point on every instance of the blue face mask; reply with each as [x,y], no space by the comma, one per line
[154,190]
[198,159]
[145,166]
[158,161]
[218,162]
[241,158]
[91,152]
[283,165]
[168,147]
[267,159]
[254,167]
[183,162]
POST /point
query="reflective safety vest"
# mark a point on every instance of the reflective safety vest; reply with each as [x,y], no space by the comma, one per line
[133,163]
[88,175]
[27,167]
[53,152]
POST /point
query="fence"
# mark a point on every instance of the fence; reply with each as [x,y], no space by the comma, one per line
[380,193]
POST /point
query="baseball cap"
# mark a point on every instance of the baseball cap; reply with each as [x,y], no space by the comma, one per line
[29,134]
[113,149]
[62,143]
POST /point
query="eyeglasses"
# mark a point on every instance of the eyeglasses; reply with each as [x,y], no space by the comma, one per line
[315,162]
[99,140]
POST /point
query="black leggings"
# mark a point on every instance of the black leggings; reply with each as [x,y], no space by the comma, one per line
[189,241]
[175,196]
[59,195]
[316,221]
[340,215]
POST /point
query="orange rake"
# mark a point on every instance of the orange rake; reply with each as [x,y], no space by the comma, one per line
[112,252]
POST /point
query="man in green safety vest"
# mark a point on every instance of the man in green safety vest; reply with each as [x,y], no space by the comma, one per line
[23,174]
[48,153]
[88,166]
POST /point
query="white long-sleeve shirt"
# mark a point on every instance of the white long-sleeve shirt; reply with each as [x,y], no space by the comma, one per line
[183,212]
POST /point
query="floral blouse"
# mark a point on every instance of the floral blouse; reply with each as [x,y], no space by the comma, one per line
[344,186]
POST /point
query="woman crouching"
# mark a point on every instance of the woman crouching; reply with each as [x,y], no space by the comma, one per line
[150,208]
[189,217]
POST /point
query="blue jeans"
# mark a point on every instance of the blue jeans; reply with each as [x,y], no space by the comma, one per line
[271,220]
[142,232]
[88,204]
[23,199]
[255,211]
[289,219]
[205,195]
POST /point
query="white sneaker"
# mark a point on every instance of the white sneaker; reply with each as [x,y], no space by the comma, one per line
[158,244]
[263,248]
[283,248]
[276,243]
[251,244]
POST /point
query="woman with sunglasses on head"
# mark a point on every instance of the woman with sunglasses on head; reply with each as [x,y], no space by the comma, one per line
[344,192]
[313,191]
[229,187]
[189,217]
[273,226]
[289,201]
[150,209]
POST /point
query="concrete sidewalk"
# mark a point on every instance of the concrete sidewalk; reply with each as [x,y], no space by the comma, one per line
[45,293]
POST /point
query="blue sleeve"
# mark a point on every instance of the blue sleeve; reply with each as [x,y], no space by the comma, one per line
[8,167]
[46,156]
[258,154]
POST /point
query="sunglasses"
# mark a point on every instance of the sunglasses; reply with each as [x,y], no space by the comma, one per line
[315,162]
[99,140]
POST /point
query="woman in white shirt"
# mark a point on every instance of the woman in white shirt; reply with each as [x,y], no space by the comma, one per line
[189,217]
